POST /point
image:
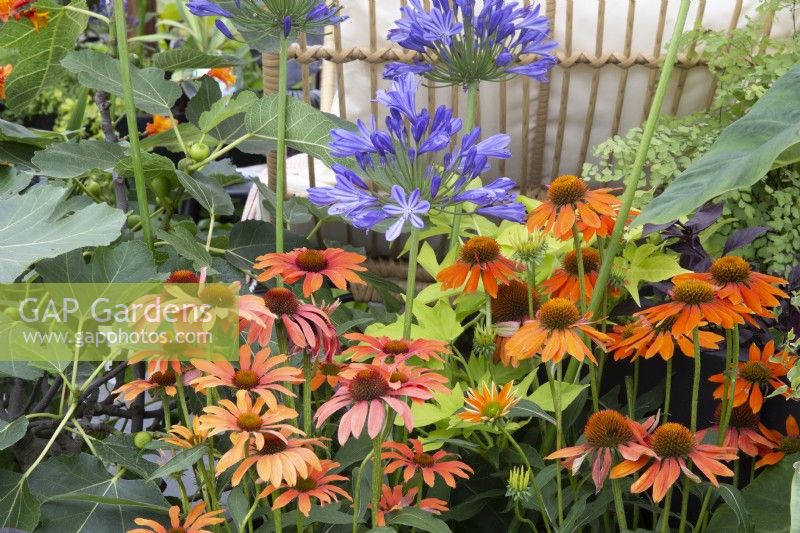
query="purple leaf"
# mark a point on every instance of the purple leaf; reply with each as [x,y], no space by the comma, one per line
[743,237]
[647,229]
[705,217]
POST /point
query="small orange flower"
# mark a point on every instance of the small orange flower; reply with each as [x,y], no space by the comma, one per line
[313,266]
[756,376]
[480,259]
[183,437]
[428,464]
[784,445]
[642,339]
[5,72]
[740,285]
[196,521]
[326,373]
[488,404]
[160,124]
[12,8]
[159,380]
[386,349]
[258,373]
[39,19]
[223,75]
[569,200]
[394,499]
[280,459]
[693,302]
[318,484]
[555,332]
[670,447]
[564,282]
[742,432]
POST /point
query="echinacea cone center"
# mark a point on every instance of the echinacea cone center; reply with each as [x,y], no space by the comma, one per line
[672,440]
[183,276]
[176,530]
[743,417]
[245,379]
[368,385]
[627,330]
[281,301]
[511,303]
[311,260]
[492,409]
[607,429]
[163,379]
[398,376]
[693,292]
[423,459]
[755,372]
[480,250]
[665,325]
[558,313]
[590,258]
[567,190]
[789,445]
[305,484]
[217,296]
[329,369]
[395,347]
[249,421]
[272,444]
[730,269]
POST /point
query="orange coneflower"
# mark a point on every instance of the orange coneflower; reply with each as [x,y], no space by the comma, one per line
[426,380]
[159,124]
[258,373]
[740,285]
[326,373]
[195,522]
[395,499]
[38,18]
[569,200]
[217,303]
[248,421]
[555,332]
[223,74]
[742,432]
[671,446]
[479,259]
[755,377]
[510,308]
[642,339]
[605,432]
[564,282]
[5,72]
[183,437]
[784,445]
[318,484]
[312,266]
[386,349]
[164,381]
[364,395]
[488,404]
[693,302]
[12,8]
[415,459]
[280,459]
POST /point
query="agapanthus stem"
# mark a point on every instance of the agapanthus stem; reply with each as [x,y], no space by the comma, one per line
[130,115]
[411,282]
[619,505]
[635,175]
[469,122]
[377,476]
[280,184]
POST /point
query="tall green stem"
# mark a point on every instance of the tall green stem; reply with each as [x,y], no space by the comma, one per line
[693,424]
[280,186]
[555,391]
[411,282]
[469,122]
[307,394]
[635,175]
[130,115]
[619,506]
[377,476]
[667,389]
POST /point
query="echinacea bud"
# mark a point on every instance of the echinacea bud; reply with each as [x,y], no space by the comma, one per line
[483,342]
[519,484]
[142,439]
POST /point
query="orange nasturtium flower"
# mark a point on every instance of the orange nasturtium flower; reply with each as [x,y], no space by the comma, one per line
[224,75]
[160,124]
[480,260]
[5,72]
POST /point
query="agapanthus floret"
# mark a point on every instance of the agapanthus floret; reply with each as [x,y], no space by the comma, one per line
[460,45]
[409,170]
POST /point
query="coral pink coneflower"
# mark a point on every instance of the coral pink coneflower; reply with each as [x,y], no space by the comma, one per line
[395,499]
[318,485]
[196,521]
[280,459]
[414,458]
[312,266]
[387,350]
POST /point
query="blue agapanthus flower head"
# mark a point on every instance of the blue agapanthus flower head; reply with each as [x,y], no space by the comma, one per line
[461,44]
[414,168]
[273,17]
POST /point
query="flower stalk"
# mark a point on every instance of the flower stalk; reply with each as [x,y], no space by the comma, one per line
[411,282]
[469,122]
[280,184]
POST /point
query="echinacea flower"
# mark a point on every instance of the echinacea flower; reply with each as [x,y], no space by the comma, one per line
[671,447]
[183,276]
[743,432]
[395,499]
[38,18]
[479,260]
[415,459]
[184,437]
[224,75]
[570,201]
[385,349]
[364,395]
[163,381]
[196,521]
[248,421]
[510,309]
[642,339]
[426,380]
[259,373]
[740,285]
[555,332]
[12,8]
[784,445]
[460,46]
[564,282]
[312,266]
[756,377]
[326,372]
[5,72]
[159,124]
[318,485]
[488,404]
[693,302]
[607,434]
[285,459]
